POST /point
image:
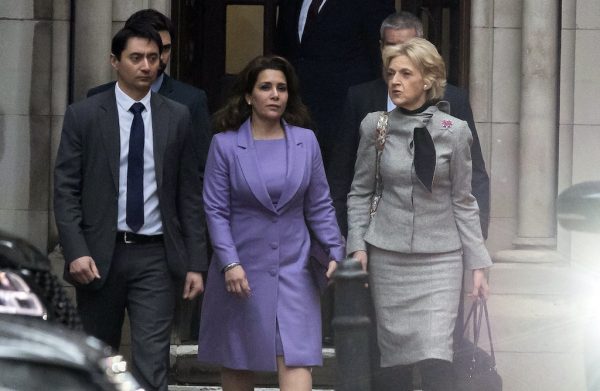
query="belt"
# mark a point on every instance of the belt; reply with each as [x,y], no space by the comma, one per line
[133,238]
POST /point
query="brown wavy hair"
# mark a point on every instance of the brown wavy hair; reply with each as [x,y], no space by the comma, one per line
[236,110]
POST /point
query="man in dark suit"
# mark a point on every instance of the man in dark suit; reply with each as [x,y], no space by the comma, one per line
[373,96]
[128,206]
[332,45]
[190,96]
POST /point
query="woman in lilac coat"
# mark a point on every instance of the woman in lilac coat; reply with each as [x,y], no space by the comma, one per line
[264,191]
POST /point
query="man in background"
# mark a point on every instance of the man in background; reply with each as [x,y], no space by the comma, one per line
[332,45]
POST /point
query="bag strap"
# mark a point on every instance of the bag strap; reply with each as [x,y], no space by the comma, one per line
[380,139]
[489,330]
[477,311]
[473,313]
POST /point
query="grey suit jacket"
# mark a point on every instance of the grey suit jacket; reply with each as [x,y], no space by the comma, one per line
[372,96]
[86,182]
[409,218]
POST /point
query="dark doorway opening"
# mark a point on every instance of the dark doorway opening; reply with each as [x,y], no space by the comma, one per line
[215,37]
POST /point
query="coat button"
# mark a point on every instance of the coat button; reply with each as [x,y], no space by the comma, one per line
[274,245]
[272,272]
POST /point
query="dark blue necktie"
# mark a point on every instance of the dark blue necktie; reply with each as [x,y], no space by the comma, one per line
[135,170]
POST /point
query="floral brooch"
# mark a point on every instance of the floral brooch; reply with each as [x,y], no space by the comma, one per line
[446,124]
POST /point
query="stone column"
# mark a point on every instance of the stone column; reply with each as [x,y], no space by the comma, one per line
[59,94]
[567,115]
[26,51]
[93,34]
[539,120]
[163,6]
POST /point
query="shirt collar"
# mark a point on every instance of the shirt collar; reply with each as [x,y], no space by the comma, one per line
[125,102]
[390,104]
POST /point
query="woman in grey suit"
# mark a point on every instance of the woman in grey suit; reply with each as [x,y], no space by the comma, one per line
[425,226]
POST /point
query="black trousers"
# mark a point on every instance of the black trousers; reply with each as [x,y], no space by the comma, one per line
[140,282]
[436,375]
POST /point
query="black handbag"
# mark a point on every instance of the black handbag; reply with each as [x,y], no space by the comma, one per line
[475,369]
[318,260]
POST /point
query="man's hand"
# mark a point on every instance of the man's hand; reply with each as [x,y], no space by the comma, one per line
[193,285]
[83,270]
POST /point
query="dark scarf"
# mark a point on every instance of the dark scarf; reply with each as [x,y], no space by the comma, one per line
[424,148]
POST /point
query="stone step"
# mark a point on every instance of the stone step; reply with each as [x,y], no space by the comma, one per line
[186,370]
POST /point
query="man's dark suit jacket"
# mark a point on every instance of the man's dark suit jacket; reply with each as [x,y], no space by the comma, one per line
[190,96]
[340,51]
[86,183]
[372,96]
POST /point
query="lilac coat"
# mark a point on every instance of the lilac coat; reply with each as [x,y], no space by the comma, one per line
[272,243]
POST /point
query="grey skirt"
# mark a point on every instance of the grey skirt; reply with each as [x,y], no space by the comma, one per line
[416,303]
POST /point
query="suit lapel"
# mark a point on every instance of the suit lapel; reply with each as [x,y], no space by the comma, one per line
[160,134]
[296,18]
[435,125]
[296,159]
[166,88]
[380,100]
[111,133]
[246,154]
[324,10]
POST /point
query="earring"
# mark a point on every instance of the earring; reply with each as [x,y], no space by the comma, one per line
[425,86]
[248,102]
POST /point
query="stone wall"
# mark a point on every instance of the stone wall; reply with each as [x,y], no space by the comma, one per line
[34,63]
[33,96]
[543,275]
[495,82]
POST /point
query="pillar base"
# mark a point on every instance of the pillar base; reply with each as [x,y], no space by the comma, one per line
[542,243]
[529,255]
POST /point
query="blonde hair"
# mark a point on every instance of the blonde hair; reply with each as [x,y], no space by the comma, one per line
[424,56]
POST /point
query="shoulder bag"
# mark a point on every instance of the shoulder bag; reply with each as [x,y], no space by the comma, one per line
[380,139]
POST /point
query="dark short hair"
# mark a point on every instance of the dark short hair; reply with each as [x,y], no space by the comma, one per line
[134,30]
[402,20]
[236,109]
[154,18]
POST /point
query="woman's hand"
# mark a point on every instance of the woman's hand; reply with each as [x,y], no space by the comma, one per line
[236,281]
[480,284]
[361,256]
[330,269]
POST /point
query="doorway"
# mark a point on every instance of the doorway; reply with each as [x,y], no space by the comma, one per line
[216,38]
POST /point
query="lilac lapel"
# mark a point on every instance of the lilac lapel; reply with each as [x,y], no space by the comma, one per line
[296,159]
[246,154]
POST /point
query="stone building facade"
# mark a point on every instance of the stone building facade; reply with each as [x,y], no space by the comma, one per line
[535,89]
